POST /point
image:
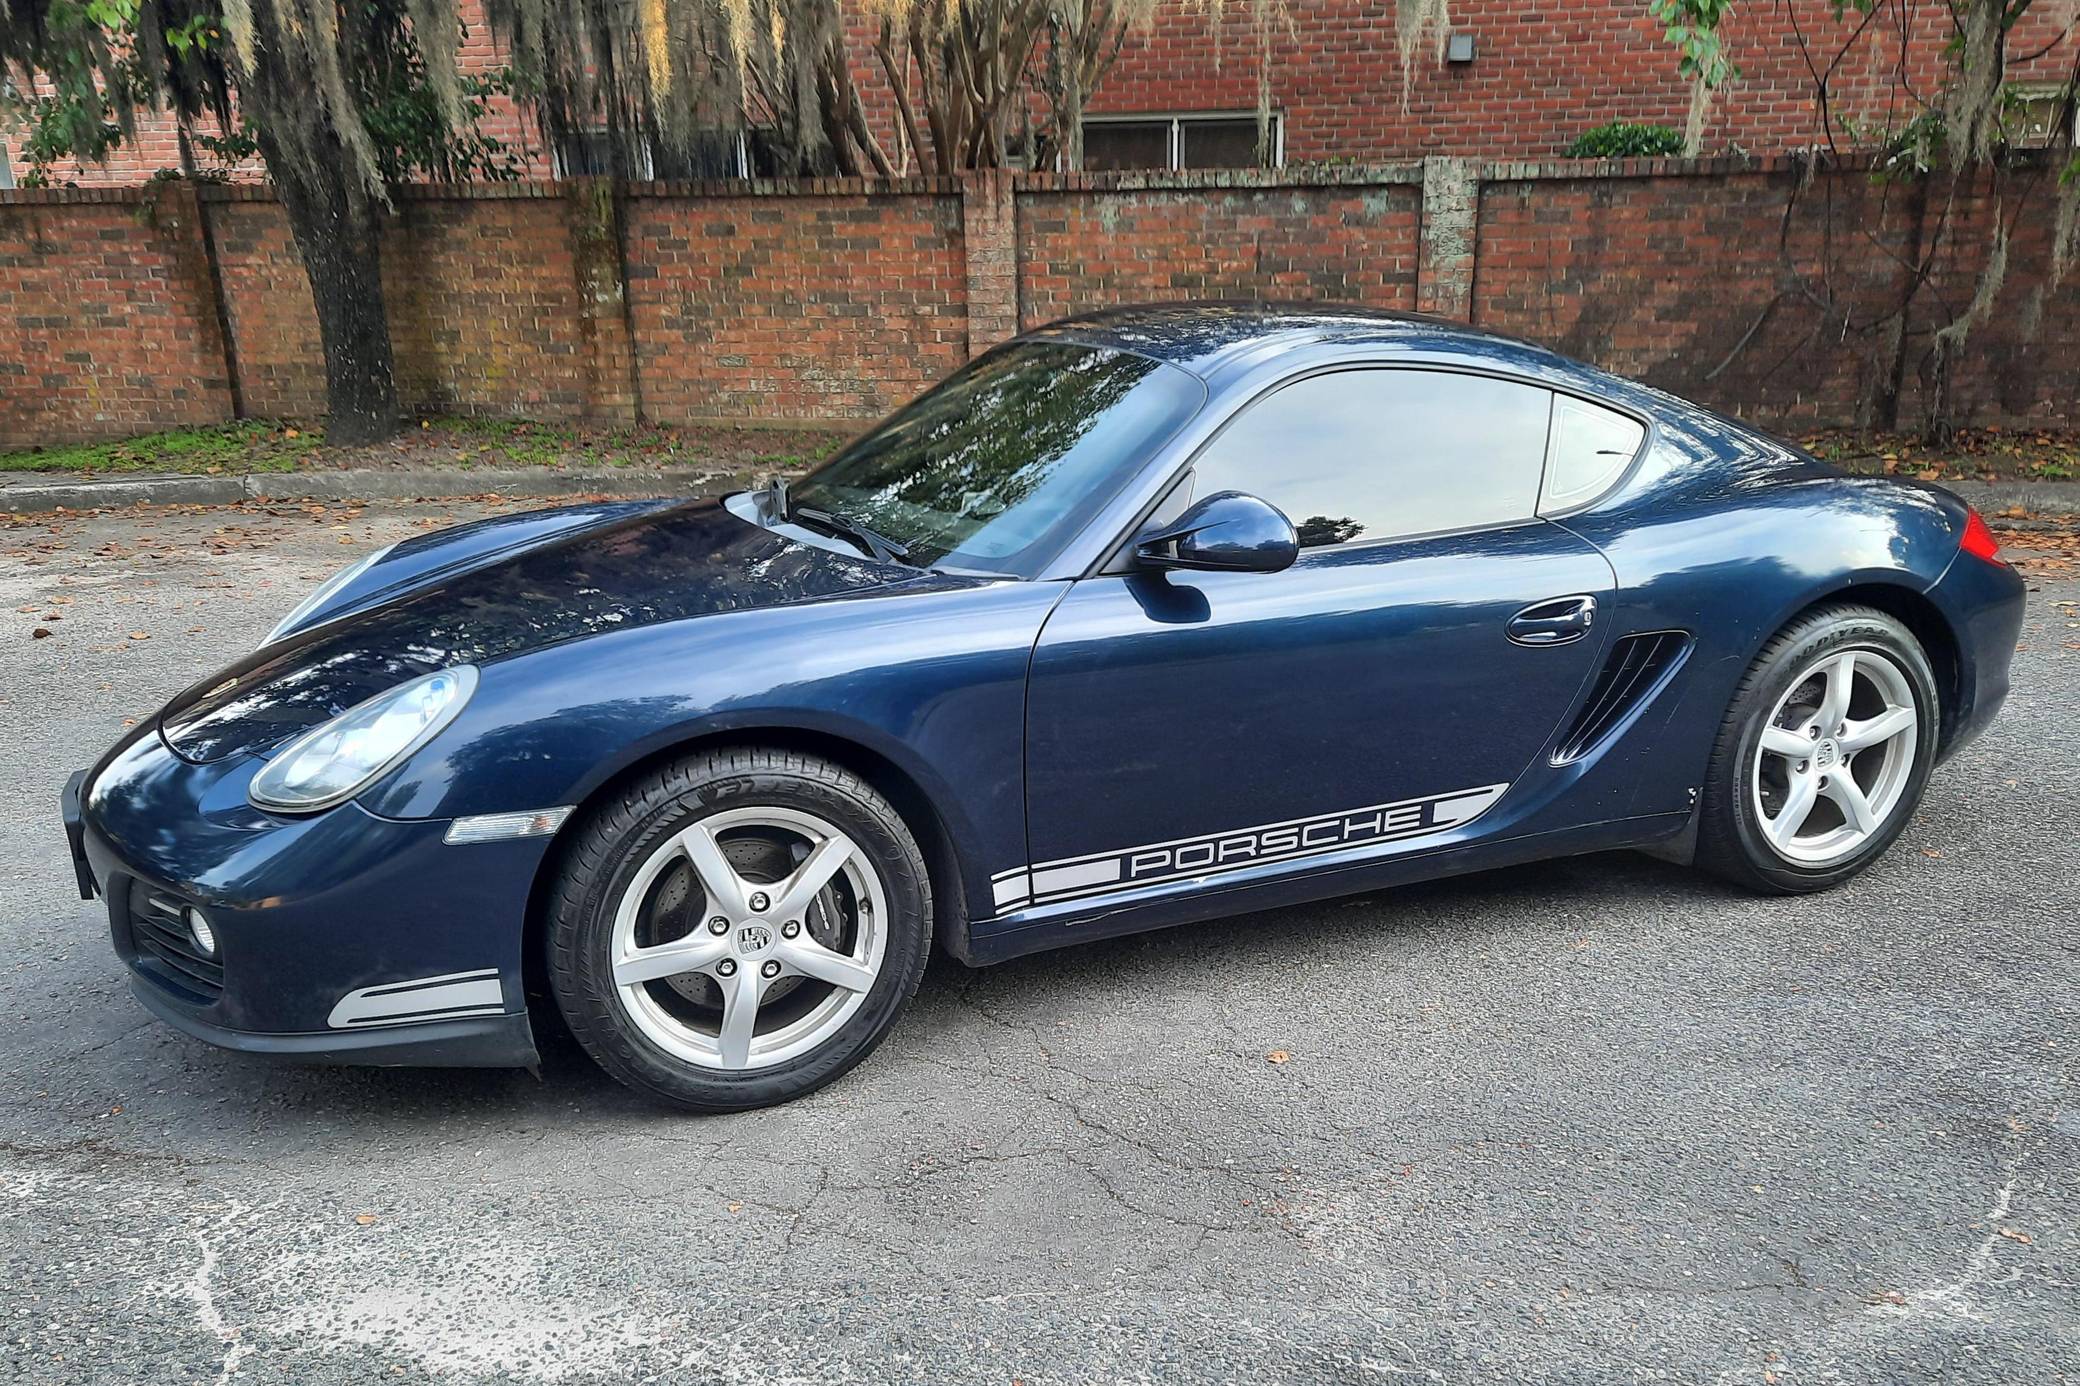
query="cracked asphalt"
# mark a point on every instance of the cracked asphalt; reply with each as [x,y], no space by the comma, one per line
[1596,1120]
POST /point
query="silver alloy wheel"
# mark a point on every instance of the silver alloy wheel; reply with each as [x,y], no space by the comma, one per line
[750,939]
[1835,757]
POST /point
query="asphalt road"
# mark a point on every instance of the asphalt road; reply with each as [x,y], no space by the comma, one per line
[1601,1120]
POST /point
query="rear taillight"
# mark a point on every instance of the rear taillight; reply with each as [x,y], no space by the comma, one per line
[1978,540]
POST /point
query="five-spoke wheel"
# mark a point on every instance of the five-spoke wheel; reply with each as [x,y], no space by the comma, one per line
[749,937]
[1835,756]
[739,928]
[1823,754]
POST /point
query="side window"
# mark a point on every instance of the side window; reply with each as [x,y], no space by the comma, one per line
[1375,453]
[1588,449]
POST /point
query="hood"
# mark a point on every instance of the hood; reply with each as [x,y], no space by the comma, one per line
[688,560]
[421,559]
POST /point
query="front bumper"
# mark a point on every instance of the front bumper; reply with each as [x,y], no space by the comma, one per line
[339,937]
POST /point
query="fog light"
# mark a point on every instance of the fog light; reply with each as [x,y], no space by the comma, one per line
[199,930]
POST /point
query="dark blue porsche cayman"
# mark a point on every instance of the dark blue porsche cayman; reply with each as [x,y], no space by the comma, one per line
[1139,619]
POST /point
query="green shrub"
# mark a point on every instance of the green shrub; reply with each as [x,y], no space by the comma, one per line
[1624,139]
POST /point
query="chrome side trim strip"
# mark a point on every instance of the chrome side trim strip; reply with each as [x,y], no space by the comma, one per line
[451,996]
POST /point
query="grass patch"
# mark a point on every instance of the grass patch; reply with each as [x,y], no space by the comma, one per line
[464,444]
[1990,454]
[255,445]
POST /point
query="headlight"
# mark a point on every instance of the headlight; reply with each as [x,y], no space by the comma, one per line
[325,593]
[332,763]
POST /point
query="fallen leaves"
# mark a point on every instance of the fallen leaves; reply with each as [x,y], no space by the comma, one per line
[1278,1056]
[365,1219]
[2014,1235]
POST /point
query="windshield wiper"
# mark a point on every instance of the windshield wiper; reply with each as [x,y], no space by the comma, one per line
[878,546]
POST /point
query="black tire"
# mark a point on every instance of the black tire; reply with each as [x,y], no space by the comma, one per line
[618,837]
[1731,841]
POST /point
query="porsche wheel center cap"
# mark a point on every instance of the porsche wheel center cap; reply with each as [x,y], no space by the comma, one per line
[1826,754]
[754,937]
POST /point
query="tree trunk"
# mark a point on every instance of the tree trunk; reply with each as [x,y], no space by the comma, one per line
[343,262]
[333,217]
[1068,48]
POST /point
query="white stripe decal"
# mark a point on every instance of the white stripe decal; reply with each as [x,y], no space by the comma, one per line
[1053,880]
[1190,858]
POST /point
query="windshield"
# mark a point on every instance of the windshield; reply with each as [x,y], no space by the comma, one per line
[1000,463]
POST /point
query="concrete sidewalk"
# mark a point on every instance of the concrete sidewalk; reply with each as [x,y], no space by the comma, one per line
[25,493]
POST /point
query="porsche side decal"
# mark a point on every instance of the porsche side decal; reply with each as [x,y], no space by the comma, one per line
[1197,857]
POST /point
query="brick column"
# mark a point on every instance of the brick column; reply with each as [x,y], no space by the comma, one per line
[1451,225]
[989,230]
[598,233]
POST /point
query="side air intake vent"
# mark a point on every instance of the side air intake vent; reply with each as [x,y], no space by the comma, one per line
[1636,669]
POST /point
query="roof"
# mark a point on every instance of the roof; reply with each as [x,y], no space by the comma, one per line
[1203,337]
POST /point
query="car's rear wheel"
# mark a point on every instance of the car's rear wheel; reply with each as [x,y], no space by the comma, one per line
[1823,755]
[739,928]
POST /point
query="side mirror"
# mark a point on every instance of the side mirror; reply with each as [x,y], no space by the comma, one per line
[1227,532]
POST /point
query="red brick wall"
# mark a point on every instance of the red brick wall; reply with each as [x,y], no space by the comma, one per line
[108,325]
[840,299]
[1703,285]
[1094,241]
[274,333]
[487,318]
[482,295]
[1540,76]
[795,307]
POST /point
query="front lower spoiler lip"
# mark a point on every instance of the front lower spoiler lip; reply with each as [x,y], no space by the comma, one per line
[76,834]
[492,1041]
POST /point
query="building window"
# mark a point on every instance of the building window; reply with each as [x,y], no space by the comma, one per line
[713,154]
[2034,116]
[1218,140]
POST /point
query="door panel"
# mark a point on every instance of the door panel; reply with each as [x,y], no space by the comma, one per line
[1375,677]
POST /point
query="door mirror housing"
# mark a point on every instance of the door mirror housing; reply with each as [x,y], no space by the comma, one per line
[1227,532]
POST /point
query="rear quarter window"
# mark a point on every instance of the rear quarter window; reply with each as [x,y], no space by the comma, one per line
[1587,449]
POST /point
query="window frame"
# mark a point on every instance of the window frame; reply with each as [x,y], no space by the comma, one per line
[559,170]
[1174,142]
[2026,92]
[1118,558]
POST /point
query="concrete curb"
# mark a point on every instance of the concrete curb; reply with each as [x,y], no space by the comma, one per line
[1992,497]
[2037,497]
[365,484]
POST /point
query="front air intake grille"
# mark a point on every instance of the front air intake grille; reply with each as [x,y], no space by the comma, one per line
[1634,671]
[166,951]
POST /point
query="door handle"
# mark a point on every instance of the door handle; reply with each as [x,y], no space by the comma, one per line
[1554,622]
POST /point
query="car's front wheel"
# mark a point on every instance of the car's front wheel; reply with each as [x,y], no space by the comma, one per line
[738,928]
[1823,755]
